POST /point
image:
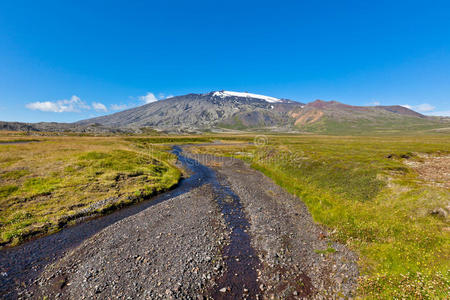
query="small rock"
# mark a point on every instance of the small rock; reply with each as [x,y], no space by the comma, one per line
[440,212]
[223,290]
[97,289]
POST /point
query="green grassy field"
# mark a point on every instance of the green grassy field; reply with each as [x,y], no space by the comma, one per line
[377,126]
[369,195]
[53,180]
[376,194]
[48,183]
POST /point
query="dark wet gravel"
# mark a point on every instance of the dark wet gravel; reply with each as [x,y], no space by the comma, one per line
[287,240]
[20,266]
[172,249]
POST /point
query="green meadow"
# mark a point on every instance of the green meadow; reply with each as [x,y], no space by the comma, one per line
[368,193]
[385,197]
[53,181]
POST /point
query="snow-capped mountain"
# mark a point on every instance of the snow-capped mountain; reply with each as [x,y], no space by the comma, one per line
[217,109]
[226,110]
[223,94]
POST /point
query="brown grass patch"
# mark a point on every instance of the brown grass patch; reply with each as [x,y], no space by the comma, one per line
[434,169]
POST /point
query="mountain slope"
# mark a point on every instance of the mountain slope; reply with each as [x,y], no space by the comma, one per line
[205,111]
[226,110]
[89,128]
[334,117]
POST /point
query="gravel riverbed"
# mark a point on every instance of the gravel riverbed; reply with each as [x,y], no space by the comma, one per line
[228,232]
[291,247]
[168,250]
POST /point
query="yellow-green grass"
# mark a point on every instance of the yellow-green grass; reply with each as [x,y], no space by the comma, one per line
[45,185]
[361,188]
[190,139]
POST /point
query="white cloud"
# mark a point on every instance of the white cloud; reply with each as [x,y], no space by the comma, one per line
[376,103]
[428,109]
[119,106]
[148,98]
[74,104]
[444,113]
[162,96]
[424,107]
[99,106]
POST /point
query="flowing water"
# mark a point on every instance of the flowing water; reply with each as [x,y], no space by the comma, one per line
[21,265]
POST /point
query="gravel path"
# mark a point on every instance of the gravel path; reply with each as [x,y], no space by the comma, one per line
[288,242]
[227,232]
[20,266]
[168,250]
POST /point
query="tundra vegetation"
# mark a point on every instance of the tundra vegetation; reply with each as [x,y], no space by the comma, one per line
[52,181]
[386,197]
[48,182]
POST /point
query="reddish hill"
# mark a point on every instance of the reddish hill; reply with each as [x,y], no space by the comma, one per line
[325,116]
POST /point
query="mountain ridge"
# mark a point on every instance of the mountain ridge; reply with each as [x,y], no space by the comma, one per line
[227,110]
[204,111]
[242,111]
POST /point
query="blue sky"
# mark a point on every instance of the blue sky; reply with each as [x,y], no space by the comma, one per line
[69,60]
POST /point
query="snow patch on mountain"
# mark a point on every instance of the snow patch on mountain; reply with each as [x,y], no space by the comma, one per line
[223,94]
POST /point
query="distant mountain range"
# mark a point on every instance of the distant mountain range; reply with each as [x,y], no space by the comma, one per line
[225,111]
[214,110]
